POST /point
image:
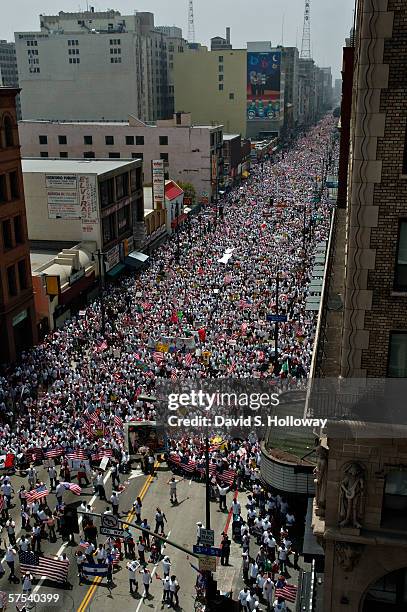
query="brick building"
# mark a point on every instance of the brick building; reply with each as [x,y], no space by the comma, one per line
[361,479]
[17,315]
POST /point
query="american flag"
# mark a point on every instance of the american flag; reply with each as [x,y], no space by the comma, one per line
[145,305]
[71,486]
[227,279]
[232,367]
[158,357]
[188,359]
[244,304]
[37,493]
[101,347]
[1,503]
[79,454]
[174,374]
[34,453]
[227,476]
[54,452]
[52,569]
[104,452]
[243,328]
[118,421]
[288,592]
[94,417]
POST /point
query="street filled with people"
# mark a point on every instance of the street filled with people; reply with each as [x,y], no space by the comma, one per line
[198,311]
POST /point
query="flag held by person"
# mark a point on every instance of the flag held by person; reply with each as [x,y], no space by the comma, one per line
[288,592]
[37,493]
[71,486]
[52,569]
[91,569]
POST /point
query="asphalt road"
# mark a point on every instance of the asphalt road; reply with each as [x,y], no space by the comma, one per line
[181,528]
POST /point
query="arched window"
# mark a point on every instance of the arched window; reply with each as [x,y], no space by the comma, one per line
[8,132]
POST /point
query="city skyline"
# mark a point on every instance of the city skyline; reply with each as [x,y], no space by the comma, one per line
[277,23]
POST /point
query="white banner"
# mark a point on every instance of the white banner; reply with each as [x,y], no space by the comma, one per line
[61,181]
[158,181]
[63,205]
[88,206]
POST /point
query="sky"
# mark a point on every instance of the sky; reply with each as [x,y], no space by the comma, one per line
[275,20]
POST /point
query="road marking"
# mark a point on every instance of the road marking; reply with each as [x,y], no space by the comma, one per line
[65,544]
[154,569]
[89,595]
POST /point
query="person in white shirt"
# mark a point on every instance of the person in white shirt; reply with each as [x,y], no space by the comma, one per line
[173,489]
[222,497]
[199,527]
[174,588]
[166,590]
[282,558]
[24,544]
[101,554]
[243,597]
[80,560]
[166,565]
[27,583]
[147,580]
[59,492]
[114,500]
[236,508]
[268,591]
[132,567]
[10,559]
[253,571]
[89,550]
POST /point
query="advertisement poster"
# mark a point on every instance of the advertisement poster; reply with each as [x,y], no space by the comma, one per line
[62,196]
[263,85]
[88,206]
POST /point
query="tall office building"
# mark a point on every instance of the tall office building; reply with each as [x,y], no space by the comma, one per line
[17,314]
[8,69]
[361,503]
[95,65]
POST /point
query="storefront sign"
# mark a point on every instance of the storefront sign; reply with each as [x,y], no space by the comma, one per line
[88,206]
[112,258]
[158,181]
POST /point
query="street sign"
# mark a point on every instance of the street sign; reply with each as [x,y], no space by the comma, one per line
[207,564]
[118,533]
[207,537]
[277,318]
[210,551]
[110,521]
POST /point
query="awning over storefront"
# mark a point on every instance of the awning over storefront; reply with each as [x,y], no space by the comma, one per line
[116,270]
[135,259]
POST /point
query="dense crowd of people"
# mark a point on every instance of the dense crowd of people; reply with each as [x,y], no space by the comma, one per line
[199,316]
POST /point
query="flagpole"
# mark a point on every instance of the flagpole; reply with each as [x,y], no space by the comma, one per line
[207,485]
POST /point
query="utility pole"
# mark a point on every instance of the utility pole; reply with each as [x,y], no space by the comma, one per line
[303,228]
[207,486]
[276,325]
[101,267]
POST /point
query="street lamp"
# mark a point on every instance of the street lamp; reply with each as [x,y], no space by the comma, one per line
[276,324]
[101,257]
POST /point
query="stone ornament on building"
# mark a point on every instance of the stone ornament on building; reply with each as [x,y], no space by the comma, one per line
[348,555]
[351,496]
[320,472]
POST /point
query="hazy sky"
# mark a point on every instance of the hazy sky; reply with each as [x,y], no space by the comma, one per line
[249,20]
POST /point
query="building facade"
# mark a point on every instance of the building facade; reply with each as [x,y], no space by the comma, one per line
[361,503]
[69,201]
[9,70]
[189,150]
[220,97]
[17,313]
[94,65]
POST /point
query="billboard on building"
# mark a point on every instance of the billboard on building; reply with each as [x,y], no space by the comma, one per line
[263,85]
[62,196]
[158,181]
[89,206]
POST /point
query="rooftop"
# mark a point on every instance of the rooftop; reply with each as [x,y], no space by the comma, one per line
[73,166]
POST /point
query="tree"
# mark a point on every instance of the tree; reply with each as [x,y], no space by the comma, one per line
[189,192]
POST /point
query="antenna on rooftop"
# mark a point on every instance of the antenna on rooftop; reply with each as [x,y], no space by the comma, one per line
[191,24]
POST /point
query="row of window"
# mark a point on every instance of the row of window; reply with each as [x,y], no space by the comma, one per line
[32,52]
[112,155]
[115,41]
[74,60]
[109,140]
[17,270]
[73,43]
[115,60]
[73,51]
[32,43]
[34,70]
[12,233]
